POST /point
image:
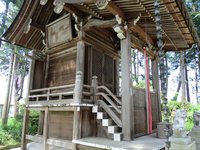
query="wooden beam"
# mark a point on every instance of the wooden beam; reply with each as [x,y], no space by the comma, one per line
[25,129]
[127,101]
[115,10]
[77,123]
[37,26]
[99,23]
[141,33]
[71,9]
[45,128]
[156,87]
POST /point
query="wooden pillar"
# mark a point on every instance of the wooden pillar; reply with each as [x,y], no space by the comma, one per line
[156,87]
[80,64]
[30,78]
[41,122]
[45,128]
[46,70]
[25,129]
[26,112]
[127,101]
[77,124]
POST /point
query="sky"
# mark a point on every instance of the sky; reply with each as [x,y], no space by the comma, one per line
[2,7]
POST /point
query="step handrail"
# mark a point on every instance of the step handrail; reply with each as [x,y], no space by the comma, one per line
[110,112]
[110,93]
[109,101]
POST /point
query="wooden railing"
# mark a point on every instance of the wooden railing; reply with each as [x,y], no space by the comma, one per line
[52,95]
[109,102]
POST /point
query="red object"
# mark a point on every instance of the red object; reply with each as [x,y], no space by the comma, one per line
[149,109]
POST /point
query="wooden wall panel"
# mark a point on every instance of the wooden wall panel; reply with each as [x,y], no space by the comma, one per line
[140,111]
[88,123]
[61,125]
[140,124]
[38,78]
[62,70]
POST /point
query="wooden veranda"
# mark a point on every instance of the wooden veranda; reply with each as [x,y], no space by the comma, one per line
[78,48]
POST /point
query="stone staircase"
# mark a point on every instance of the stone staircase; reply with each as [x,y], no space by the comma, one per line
[113,130]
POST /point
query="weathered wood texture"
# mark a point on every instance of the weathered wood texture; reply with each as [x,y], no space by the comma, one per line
[38,75]
[59,31]
[82,147]
[61,124]
[62,69]
[88,128]
[127,104]
[140,123]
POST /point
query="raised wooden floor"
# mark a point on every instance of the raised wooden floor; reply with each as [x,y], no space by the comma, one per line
[142,143]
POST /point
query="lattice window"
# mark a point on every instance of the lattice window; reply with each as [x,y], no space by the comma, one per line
[97,65]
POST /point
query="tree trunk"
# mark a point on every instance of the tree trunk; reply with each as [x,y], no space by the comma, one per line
[166,71]
[182,70]
[196,84]
[134,65]
[138,66]
[187,84]
[19,84]
[177,90]
[8,98]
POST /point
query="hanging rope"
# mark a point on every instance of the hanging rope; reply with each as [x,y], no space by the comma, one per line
[163,73]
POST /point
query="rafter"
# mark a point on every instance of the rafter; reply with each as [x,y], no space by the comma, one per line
[73,10]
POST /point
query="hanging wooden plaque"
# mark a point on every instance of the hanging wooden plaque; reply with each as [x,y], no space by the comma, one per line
[59,31]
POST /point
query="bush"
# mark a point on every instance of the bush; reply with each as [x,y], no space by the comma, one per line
[189,108]
[10,134]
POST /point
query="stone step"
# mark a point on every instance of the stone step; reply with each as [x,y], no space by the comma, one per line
[107,122]
[117,136]
[114,129]
[102,115]
[95,109]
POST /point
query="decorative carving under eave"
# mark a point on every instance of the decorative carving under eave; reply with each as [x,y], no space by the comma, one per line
[79,22]
[101,4]
[120,28]
[28,26]
[58,6]
[43,2]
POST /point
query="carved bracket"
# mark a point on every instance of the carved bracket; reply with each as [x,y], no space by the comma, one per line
[120,27]
[58,6]
[101,4]
[43,2]
[79,22]
[28,26]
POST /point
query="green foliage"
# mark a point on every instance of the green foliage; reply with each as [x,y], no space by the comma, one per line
[189,108]
[10,134]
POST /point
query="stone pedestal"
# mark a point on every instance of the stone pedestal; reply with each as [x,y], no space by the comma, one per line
[161,126]
[195,135]
[182,143]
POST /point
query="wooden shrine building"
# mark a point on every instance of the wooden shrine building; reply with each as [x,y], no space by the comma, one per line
[74,74]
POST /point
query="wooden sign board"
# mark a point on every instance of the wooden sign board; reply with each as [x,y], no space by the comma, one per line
[59,31]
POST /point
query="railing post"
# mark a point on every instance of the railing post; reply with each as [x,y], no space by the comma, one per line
[78,90]
[94,87]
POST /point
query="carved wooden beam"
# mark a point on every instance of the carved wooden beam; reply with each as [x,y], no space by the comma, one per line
[73,10]
[111,7]
[99,23]
[142,34]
